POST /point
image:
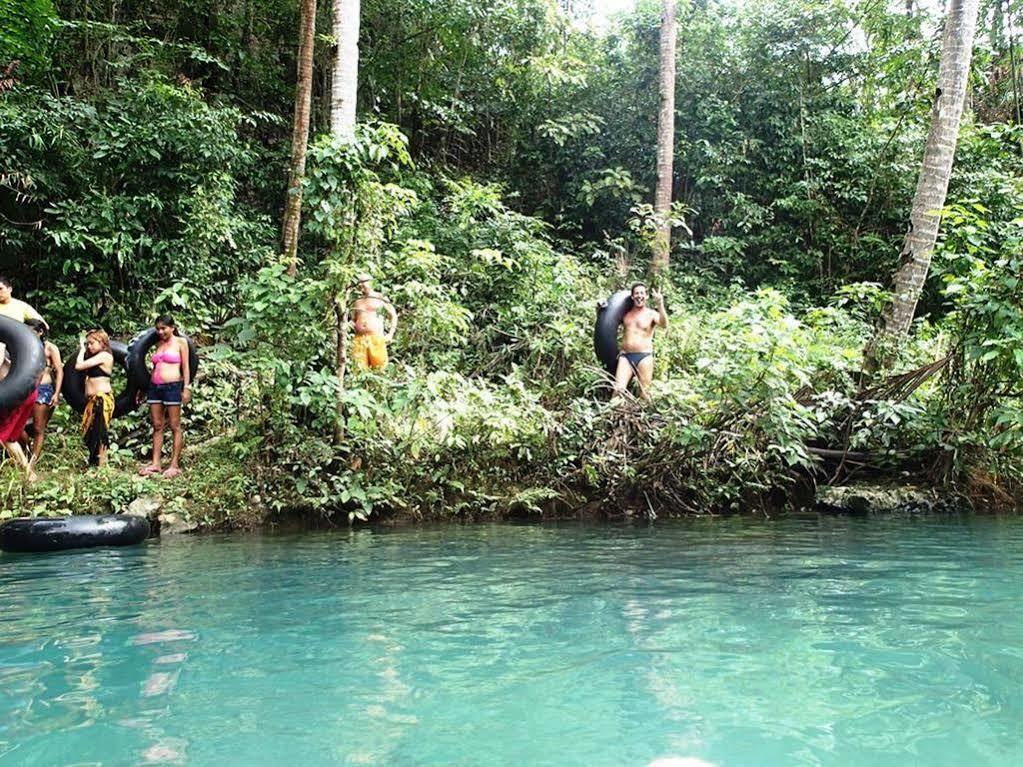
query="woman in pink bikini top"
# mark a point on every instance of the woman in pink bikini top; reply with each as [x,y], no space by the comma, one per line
[162,359]
[168,391]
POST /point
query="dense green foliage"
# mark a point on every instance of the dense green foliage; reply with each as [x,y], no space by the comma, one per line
[497,188]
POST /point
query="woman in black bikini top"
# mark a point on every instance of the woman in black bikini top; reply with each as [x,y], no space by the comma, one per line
[96,361]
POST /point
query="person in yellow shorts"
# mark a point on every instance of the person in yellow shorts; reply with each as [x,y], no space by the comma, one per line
[369,350]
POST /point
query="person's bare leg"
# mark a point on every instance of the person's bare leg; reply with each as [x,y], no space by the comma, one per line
[645,376]
[623,374]
[174,421]
[15,451]
[156,411]
[102,456]
[40,419]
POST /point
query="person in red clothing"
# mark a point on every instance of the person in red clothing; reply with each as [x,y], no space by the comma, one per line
[12,424]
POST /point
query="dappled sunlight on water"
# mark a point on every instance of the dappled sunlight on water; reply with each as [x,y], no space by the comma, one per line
[740,642]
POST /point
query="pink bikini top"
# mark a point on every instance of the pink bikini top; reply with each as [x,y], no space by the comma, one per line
[170,358]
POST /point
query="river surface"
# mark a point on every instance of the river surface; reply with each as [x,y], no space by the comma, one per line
[803,641]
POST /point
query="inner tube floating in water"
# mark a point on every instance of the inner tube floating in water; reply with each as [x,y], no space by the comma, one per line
[27,361]
[605,333]
[138,367]
[73,388]
[60,533]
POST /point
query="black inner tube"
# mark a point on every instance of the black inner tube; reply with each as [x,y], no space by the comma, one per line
[27,361]
[59,533]
[138,368]
[605,332]
[73,388]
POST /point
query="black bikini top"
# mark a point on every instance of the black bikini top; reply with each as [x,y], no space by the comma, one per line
[96,372]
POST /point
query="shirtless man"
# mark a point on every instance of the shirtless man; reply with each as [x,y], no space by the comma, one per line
[637,348]
[369,350]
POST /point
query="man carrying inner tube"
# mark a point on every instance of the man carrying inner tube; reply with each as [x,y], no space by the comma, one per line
[369,350]
[13,308]
[636,357]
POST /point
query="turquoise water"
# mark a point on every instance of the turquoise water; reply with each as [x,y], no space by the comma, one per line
[741,642]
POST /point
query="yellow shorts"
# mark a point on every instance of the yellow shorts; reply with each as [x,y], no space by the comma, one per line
[370,351]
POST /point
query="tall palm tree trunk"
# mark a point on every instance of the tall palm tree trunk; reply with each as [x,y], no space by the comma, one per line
[300,134]
[932,186]
[345,85]
[344,92]
[665,138]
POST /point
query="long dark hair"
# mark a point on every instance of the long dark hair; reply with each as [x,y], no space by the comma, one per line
[38,326]
[167,320]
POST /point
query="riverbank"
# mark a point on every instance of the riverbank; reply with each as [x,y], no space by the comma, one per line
[212,495]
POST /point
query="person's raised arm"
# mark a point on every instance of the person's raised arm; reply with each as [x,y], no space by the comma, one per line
[58,367]
[392,315]
[662,315]
[186,370]
[84,363]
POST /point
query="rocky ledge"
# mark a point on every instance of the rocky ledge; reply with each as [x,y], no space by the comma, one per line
[881,499]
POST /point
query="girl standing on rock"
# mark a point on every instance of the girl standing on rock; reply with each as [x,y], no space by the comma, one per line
[168,391]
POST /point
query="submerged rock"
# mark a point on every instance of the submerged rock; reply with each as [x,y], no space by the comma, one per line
[878,499]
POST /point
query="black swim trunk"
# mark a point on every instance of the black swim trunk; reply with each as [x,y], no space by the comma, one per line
[635,358]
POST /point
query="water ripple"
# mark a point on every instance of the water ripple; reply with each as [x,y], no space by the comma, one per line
[793,642]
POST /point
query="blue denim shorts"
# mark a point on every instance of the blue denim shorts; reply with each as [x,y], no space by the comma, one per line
[45,394]
[166,394]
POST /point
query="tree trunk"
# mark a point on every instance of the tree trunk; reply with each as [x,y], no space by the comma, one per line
[345,86]
[341,308]
[665,139]
[932,186]
[300,134]
[344,91]
[1012,67]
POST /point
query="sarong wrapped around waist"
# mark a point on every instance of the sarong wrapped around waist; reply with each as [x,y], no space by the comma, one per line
[99,409]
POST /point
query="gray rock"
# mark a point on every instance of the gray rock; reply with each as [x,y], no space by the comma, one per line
[172,523]
[145,506]
[877,499]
